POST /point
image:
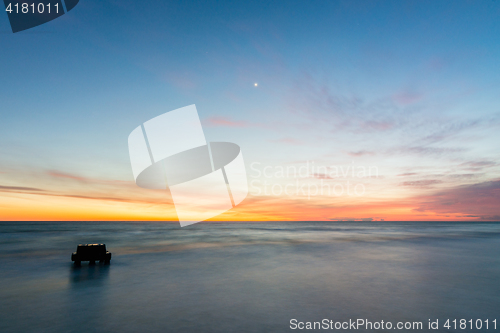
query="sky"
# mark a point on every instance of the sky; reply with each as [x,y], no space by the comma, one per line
[363,110]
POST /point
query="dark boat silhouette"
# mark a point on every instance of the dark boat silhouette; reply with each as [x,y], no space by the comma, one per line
[91,253]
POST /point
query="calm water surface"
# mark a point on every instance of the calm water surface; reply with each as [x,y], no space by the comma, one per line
[245,277]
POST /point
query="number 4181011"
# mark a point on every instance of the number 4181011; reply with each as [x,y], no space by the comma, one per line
[25,8]
[470,324]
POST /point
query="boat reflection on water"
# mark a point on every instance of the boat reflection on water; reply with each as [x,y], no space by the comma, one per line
[97,274]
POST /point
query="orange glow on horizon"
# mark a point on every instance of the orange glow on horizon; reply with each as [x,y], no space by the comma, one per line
[61,208]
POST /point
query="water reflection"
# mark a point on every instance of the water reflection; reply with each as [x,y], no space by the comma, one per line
[246,277]
[87,296]
[97,274]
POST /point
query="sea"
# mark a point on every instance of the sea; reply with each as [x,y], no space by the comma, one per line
[251,277]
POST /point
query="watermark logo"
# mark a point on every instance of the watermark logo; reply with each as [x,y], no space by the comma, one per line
[308,179]
[28,14]
[170,152]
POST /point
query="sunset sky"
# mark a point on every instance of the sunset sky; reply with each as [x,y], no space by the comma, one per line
[409,90]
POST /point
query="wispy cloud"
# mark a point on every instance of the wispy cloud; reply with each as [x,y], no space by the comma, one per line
[464,175]
[19,188]
[405,119]
[131,198]
[225,121]
[318,102]
[426,150]
[422,183]
[290,141]
[95,181]
[59,174]
[360,153]
[482,200]
[443,129]
[407,97]
[477,165]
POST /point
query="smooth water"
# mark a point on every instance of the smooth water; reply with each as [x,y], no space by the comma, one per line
[245,277]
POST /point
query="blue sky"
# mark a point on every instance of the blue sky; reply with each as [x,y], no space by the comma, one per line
[409,86]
